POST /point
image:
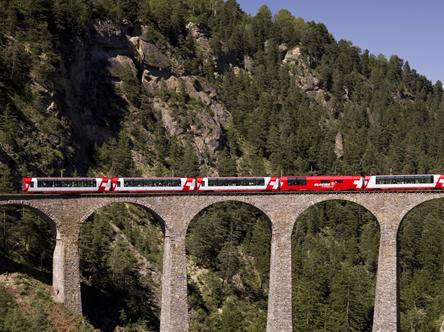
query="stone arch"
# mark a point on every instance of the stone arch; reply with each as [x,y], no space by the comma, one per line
[374,230]
[144,205]
[48,217]
[417,204]
[53,222]
[200,208]
[215,272]
[356,199]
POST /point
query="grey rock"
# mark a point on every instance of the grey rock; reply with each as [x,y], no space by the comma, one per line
[120,64]
[153,58]
[339,146]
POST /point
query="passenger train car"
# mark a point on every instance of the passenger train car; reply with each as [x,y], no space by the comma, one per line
[153,184]
[404,182]
[234,184]
[238,184]
[66,185]
[321,183]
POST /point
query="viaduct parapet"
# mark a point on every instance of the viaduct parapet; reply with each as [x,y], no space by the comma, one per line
[67,213]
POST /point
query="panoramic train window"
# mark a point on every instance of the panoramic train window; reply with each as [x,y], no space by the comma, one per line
[155,182]
[297,181]
[220,182]
[412,179]
[63,183]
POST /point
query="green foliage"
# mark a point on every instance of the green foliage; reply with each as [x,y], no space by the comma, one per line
[26,305]
[6,179]
[229,251]
[333,259]
[114,157]
[184,160]
[421,258]
[226,165]
[26,238]
[117,246]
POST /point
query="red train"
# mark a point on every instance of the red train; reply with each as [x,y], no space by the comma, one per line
[234,184]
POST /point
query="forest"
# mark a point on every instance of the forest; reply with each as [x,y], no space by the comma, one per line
[199,87]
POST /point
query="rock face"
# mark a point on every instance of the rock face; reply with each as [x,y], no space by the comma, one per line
[339,145]
[121,64]
[305,79]
[112,54]
[153,59]
[204,126]
[292,56]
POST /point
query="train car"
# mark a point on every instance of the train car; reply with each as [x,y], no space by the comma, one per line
[153,184]
[237,184]
[404,182]
[65,185]
[321,183]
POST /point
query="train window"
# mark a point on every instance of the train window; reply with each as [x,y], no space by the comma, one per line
[32,185]
[154,182]
[239,182]
[325,181]
[339,181]
[85,183]
[297,181]
[66,183]
[412,179]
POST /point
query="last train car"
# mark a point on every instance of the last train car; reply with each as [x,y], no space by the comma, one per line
[321,183]
[404,182]
[66,185]
[238,184]
[153,184]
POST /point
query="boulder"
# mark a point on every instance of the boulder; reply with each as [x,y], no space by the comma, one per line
[152,57]
[119,64]
[293,55]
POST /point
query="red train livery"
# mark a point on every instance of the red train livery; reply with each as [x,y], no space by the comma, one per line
[66,185]
[321,183]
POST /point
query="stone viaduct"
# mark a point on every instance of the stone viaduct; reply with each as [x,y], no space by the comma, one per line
[67,213]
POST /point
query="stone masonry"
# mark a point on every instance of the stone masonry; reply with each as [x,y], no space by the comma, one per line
[67,213]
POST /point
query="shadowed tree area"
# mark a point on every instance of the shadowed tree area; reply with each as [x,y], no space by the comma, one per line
[334,263]
[421,268]
[228,252]
[26,242]
[26,250]
[121,248]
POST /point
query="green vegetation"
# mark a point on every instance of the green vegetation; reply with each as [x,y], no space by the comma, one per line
[121,262]
[26,238]
[228,268]
[26,305]
[421,261]
[335,246]
[277,95]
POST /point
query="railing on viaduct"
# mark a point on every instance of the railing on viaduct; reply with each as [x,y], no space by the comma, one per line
[67,213]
